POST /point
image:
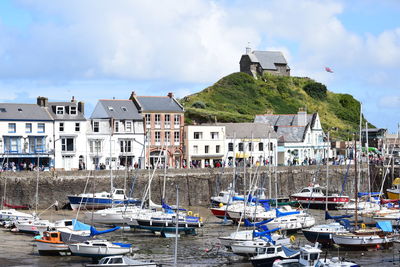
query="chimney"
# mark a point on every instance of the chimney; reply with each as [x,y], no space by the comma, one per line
[73,99]
[170,95]
[133,95]
[42,101]
[248,50]
[81,107]
[302,117]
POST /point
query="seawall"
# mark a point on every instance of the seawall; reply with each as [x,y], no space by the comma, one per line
[196,186]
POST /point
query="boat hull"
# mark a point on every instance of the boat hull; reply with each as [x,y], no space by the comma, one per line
[97,252]
[320,202]
[393,194]
[220,213]
[98,203]
[322,238]
[362,242]
[52,248]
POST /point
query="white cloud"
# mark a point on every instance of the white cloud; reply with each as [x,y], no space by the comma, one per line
[389,102]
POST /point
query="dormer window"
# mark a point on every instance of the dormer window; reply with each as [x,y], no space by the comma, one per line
[123,108]
[20,109]
[60,110]
[72,110]
[110,108]
[2,110]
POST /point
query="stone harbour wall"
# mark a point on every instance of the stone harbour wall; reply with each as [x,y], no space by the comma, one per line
[196,186]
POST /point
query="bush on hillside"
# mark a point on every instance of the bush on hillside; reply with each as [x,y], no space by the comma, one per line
[316,90]
[199,104]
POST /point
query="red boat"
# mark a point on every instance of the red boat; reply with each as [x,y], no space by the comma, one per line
[314,196]
[17,207]
[220,212]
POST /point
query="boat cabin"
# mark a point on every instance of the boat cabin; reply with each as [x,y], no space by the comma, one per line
[118,193]
[309,255]
[53,236]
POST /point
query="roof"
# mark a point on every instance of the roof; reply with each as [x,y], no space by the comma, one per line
[116,109]
[23,112]
[248,130]
[291,133]
[159,103]
[52,106]
[283,119]
[286,125]
[268,59]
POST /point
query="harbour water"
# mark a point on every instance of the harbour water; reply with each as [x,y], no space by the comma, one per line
[18,249]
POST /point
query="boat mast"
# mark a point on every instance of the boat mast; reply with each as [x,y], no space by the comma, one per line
[269,166]
[355,183]
[176,227]
[367,149]
[327,176]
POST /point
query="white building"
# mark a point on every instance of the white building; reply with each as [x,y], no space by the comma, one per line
[301,138]
[253,143]
[68,143]
[204,145]
[115,136]
[26,131]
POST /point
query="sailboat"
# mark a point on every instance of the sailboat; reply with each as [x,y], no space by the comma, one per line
[365,238]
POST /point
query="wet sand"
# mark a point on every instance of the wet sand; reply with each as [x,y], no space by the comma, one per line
[17,249]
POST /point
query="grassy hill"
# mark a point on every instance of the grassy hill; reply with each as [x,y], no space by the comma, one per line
[238,97]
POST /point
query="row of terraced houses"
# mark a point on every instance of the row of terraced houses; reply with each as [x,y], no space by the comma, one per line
[149,132]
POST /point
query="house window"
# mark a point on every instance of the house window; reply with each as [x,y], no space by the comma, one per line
[28,127]
[240,147]
[128,126]
[67,144]
[167,137]
[176,137]
[206,149]
[126,146]
[157,137]
[96,126]
[123,108]
[11,144]
[60,110]
[271,146]
[110,108]
[197,135]
[36,144]
[116,126]
[147,119]
[195,149]
[177,120]
[217,148]
[214,135]
[95,146]
[77,126]
[260,147]
[250,146]
[41,128]
[230,147]
[72,110]
[61,127]
[2,110]
[167,120]
[12,127]
[157,119]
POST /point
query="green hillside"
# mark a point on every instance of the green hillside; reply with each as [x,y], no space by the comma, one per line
[239,97]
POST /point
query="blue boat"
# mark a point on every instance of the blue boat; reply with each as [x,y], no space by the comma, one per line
[101,200]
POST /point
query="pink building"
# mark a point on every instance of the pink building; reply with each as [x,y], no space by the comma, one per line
[163,122]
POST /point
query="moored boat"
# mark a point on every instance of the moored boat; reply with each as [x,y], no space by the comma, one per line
[99,248]
[394,192]
[101,200]
[313,197]
[122,261]
[267,256]
[51,244]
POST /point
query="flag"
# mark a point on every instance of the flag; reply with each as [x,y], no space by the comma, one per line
[328,69]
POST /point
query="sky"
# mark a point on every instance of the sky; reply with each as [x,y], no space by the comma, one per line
[100,49]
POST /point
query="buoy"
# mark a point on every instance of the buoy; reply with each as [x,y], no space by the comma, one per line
[201,219]
[292,238]
[221,205]
[190,213]
[363,226]
[196,215]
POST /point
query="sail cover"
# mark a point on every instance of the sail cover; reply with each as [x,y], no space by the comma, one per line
[80,226]
[94,232]
[386,226]
[289,252]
